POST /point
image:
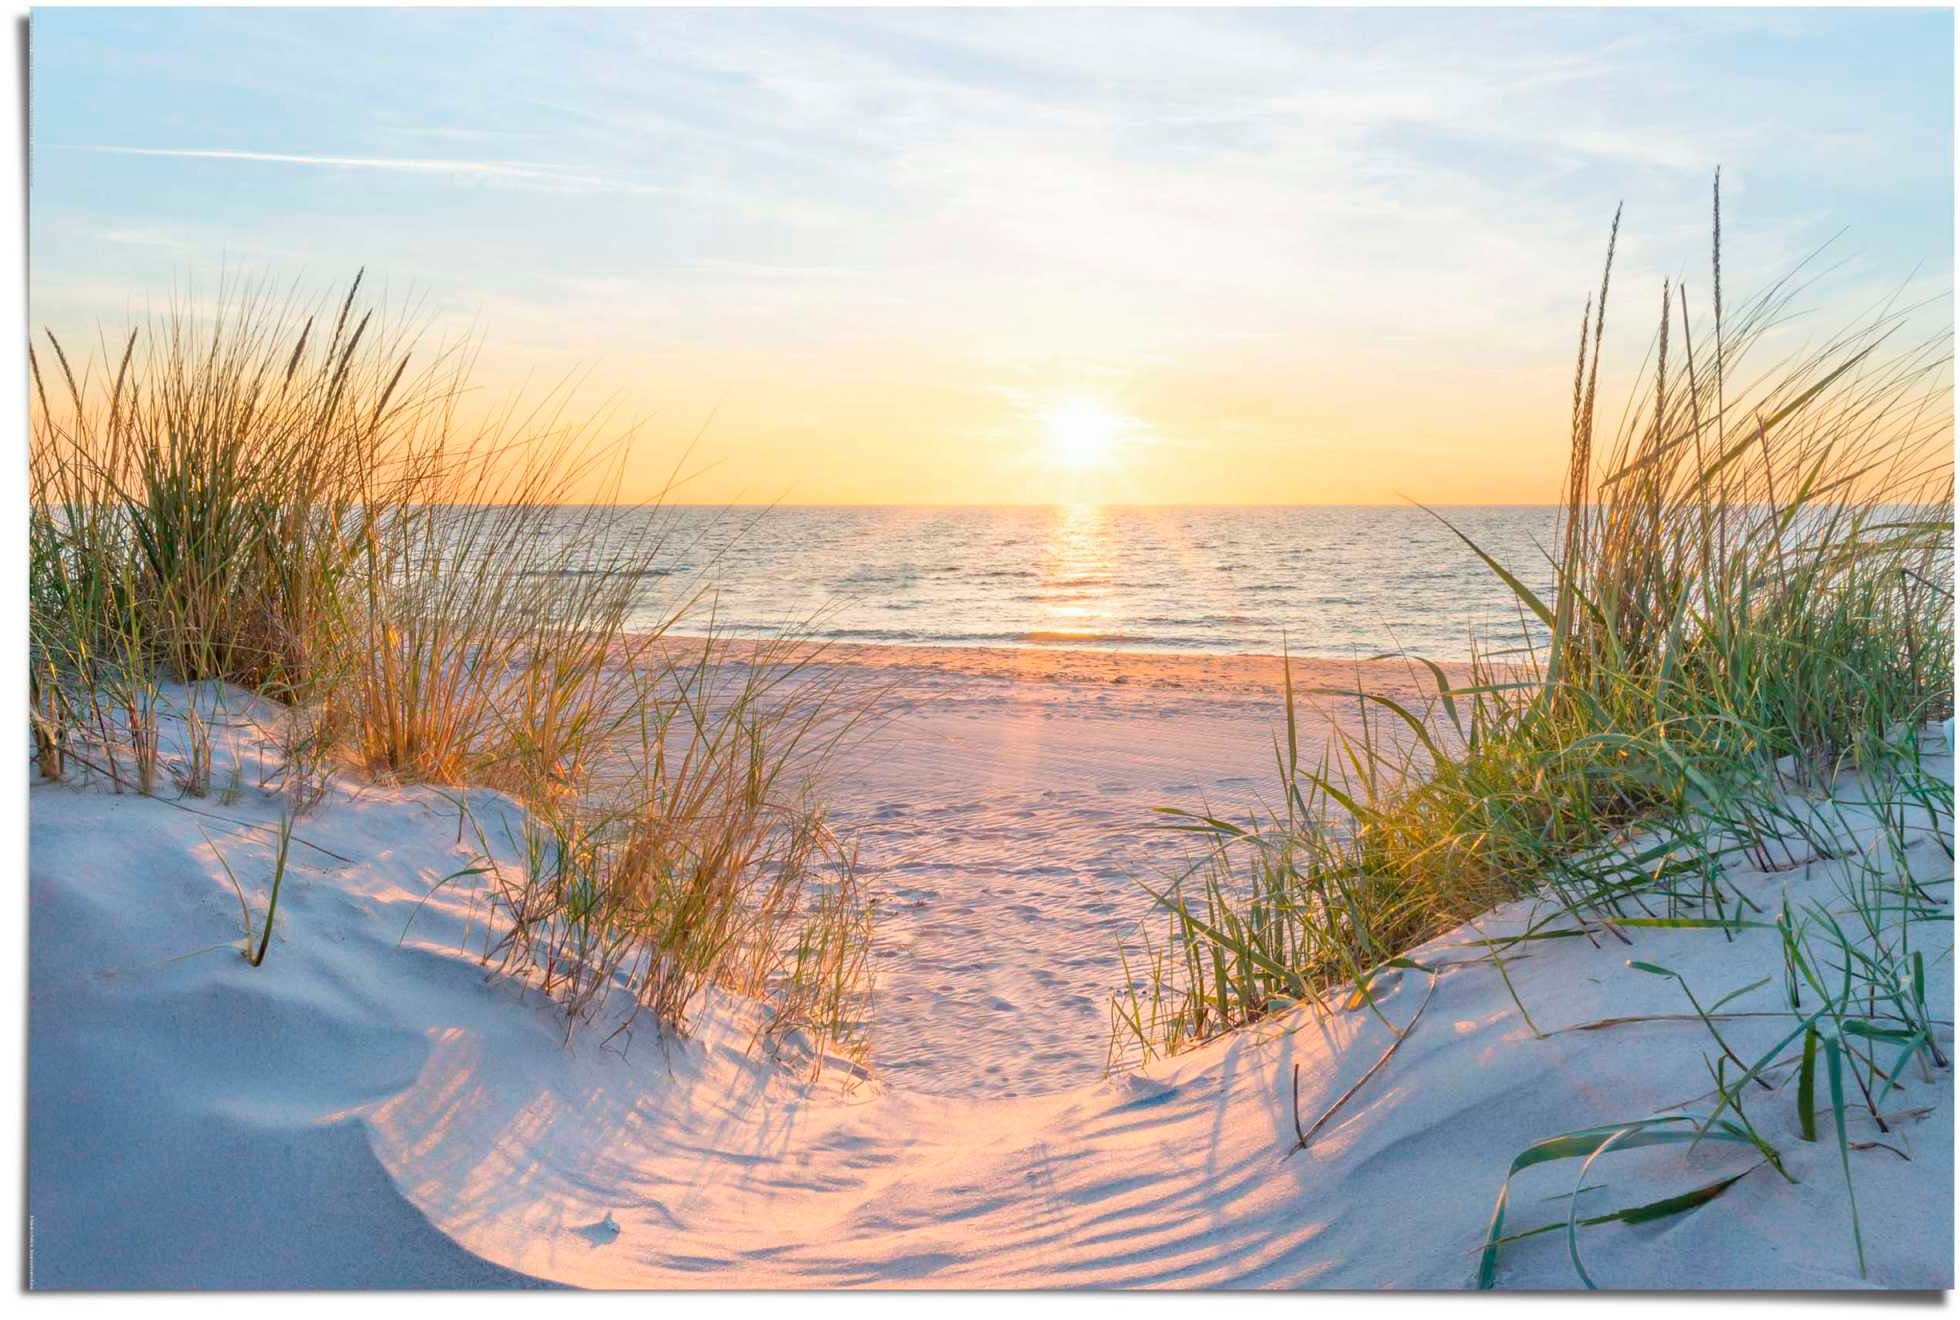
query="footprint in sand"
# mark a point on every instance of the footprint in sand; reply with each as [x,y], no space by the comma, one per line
[600,1232]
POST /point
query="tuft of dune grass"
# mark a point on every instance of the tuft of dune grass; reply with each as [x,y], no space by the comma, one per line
[293,498]
[1754,570]
[1753,596]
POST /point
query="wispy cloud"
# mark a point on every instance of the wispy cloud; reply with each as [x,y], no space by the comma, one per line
[1255,213]
[511,170]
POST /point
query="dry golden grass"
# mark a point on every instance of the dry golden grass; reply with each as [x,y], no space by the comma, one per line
[1754,569]
[286,498]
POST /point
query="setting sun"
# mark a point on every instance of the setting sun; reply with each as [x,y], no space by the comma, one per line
[894,530]
[1083,434]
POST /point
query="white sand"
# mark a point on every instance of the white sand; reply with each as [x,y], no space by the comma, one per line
[369,1110]
[1006,817]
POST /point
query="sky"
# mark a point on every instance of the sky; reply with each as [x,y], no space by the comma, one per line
[879,256]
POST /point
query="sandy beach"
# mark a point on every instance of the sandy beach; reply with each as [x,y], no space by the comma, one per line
[955,649]
[1005,806]
[448,1131]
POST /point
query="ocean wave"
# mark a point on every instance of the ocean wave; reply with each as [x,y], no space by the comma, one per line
[601,572]
[1333,581]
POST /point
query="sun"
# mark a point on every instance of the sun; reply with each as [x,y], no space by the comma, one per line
[1082,433]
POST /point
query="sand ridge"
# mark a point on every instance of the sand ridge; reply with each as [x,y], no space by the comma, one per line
[368,1108]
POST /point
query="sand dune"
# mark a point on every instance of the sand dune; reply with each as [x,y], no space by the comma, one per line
[368,1108]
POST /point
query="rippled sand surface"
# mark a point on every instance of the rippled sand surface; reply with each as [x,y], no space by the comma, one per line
[1006,813]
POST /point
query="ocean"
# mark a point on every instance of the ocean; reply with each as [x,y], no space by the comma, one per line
[1343,581]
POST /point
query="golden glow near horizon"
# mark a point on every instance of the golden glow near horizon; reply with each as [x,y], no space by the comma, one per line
[998,257]
[758,427]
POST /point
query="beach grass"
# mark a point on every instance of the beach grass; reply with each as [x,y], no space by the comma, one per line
[1752,605]
[296,500]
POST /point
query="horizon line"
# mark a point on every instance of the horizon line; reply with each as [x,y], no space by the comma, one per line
[1057,504]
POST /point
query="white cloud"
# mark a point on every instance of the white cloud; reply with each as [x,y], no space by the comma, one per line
[501,170]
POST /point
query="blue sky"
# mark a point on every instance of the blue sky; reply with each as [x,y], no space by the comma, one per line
[1290,234]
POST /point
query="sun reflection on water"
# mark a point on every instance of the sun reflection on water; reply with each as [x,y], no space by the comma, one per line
[1077,572]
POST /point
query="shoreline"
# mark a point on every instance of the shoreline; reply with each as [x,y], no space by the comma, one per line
[1235,673]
